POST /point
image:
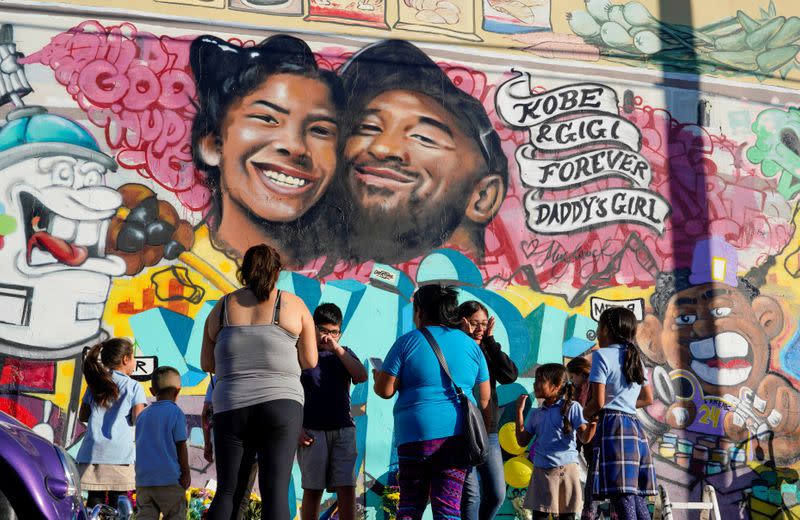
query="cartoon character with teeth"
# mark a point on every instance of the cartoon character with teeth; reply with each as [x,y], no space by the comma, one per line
[713,329]
[55,273]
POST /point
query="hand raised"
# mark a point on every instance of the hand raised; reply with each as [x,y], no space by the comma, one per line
[521,400]
[490,327]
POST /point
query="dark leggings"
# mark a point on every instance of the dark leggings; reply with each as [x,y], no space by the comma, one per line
[629,507]
[104,497]
[541,515]
[269,430]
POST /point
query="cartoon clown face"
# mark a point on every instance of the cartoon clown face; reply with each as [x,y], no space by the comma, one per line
[55,273]
[712,323]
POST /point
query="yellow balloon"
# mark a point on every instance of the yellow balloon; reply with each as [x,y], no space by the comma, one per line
[518,471]
[508,439]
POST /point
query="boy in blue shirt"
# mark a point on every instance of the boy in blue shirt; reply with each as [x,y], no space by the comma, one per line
[162,459]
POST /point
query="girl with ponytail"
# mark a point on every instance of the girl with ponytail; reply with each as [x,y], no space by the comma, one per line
[110,406]
[557,424]
[619,386]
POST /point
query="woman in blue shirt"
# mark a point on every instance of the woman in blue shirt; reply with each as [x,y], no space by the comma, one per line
[427,415]
[624,470]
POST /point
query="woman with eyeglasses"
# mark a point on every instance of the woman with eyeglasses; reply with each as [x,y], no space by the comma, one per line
[483,500]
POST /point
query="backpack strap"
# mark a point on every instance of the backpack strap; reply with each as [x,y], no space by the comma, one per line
[442,361]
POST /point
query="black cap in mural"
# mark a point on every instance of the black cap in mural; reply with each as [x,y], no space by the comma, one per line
[399,65]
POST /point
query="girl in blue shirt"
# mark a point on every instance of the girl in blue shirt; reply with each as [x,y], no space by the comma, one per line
[110,406]
[623,470]
[555,486]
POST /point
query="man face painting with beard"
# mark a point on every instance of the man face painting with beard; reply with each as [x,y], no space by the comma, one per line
[422,163]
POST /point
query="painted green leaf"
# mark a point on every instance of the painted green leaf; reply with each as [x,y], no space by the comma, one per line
[758,38]
[788,33]
[774,59]
[747,23]
[8,224]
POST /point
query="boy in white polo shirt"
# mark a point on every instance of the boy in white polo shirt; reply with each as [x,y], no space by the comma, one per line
[162,458]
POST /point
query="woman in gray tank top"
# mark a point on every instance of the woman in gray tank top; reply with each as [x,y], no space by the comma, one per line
[257,340]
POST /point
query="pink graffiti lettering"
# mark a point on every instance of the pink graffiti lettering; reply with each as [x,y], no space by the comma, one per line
[137,87]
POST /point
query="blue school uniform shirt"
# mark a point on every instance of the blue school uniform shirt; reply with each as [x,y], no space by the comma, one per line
[109,434]
[427,407]
[621,395]
[158,428]
[554,447]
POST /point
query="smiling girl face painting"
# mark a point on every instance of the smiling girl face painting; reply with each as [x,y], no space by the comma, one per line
[266,135]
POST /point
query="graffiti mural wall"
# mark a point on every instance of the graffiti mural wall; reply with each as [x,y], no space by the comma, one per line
[550,159]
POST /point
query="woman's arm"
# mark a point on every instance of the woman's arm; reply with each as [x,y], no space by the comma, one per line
[210,332]
[307,353]
[484,397]
[645,396]
[385,384]
[523,437]
[208,452]
[596,402]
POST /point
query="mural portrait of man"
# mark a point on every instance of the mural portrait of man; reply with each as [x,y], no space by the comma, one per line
[422,163]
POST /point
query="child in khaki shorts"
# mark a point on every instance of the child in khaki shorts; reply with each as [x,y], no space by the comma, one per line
[162,459]
[555,487]
[327,446]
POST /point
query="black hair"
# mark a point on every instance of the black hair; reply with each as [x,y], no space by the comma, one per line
[556,375]
[620,323]
[328,314]
[160,378]
[438,305]
[100,360]
[225,73]
[579,365]
[470,307]
[260,269]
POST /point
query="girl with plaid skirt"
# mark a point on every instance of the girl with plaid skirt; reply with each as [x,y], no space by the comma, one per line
[623,469]
[555,486]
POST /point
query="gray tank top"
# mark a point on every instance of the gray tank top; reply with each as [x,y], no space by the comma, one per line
[255,364]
